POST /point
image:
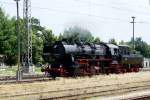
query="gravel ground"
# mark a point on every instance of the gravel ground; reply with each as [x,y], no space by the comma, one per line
[125,96]
[69,83]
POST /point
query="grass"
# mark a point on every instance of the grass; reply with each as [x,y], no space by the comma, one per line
[11,71]
[38,70]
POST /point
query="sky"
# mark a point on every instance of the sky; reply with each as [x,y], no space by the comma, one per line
[103,18]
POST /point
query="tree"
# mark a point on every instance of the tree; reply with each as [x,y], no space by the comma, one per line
[113,41]
[122,42]
[37,49]
[48,37]
[97,40]
[37,41]
[77,34]
[141,46]
[8,38]
[36,26]
[60,37]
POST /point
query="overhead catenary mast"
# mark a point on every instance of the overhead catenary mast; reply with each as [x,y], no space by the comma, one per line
[27,59]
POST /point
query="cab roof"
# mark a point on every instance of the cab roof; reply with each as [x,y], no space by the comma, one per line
[112,46]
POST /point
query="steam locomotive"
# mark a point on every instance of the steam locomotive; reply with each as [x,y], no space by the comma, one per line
[82,59]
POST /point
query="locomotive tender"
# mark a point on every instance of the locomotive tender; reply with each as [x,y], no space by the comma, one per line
[89,59]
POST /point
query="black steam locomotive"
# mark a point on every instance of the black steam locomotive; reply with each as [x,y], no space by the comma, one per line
[89,59]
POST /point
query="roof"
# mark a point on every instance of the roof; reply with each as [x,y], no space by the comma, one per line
[112,46]
[124,45]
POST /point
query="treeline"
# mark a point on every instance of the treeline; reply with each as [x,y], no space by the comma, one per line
[41,35]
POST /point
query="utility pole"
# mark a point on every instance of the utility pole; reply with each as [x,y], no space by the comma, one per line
[19,71]
[133,31]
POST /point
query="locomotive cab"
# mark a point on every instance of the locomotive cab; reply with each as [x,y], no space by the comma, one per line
[114,50]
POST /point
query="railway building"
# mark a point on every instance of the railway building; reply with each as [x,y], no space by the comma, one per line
[146,64]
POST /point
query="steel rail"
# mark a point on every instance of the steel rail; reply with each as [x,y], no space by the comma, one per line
[85,91]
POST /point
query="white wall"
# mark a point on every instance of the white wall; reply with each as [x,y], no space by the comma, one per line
[146,62]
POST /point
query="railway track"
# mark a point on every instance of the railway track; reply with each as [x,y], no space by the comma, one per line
[144,97]
[26,79]
[86,94]
[82,93]
[76,93]
[35,78]
[3,78]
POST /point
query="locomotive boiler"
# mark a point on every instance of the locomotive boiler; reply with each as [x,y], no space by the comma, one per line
[82,59]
